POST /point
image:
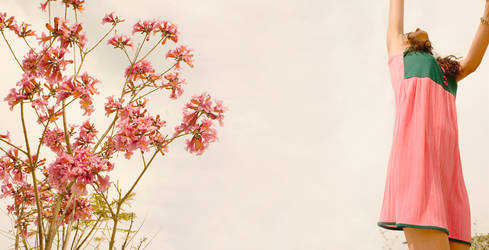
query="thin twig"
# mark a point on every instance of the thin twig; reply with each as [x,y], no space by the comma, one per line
[34,179]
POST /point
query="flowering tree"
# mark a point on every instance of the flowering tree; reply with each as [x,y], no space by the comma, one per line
[68,190]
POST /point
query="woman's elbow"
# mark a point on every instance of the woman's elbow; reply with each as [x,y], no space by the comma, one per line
[469,68]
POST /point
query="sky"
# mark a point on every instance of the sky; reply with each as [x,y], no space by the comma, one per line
[302,156]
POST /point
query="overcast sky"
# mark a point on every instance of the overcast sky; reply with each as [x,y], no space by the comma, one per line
[301,160]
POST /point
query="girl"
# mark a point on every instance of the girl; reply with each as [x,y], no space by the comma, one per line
[425,194]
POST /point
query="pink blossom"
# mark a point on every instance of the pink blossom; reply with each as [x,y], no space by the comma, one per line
[174,84]
[54,139]
[15,28]
[6,22]
[51,116]
[86,136]
[87,86]
[44,5]
[120,41]
[201,102]
[142,70]
[202,136]
[136,130]
[76,4]
[104,183]
[53,62]
[218,111]
[109,18]
[188,123]
[181,53]
[83,89]
[14,97]
[60,28]
[29,64]
[24,31]
[145,27]
[168,31]
[82,167]
[40,104]
[66,89]
[43,38]
[74,36]
[113,105]
[59,171]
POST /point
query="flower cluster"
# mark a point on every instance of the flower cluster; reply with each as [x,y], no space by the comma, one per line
[181,53]
[14,173]
[76,4]
[81,206]
[136,130]
[120,41]
[10,23]
[113,105]
[82,167]
[203,133]
[145,27]
[86,135]
[173,83]
[49,86]
[109,18]
[83,88]
[54,139]
[7,23]
[52,64]
[68,35]
[142,70]
[23,30]
[168,31]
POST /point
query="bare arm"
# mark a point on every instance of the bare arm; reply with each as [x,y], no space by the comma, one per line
[478,48]
[395,29]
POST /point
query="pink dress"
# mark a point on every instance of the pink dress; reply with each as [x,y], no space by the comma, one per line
[424,182]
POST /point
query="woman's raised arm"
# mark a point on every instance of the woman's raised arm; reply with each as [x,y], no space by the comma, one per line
[478,48]
[395,28]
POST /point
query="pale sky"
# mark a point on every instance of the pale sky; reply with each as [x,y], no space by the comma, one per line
[301,160]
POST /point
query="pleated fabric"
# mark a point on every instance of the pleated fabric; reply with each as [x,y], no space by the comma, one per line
[424,182]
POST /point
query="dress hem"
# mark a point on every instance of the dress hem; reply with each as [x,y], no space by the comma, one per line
[400,226]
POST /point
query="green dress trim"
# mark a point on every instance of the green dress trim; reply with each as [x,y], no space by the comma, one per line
[399,226]
[423,64]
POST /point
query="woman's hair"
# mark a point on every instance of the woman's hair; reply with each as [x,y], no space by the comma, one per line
[449,64]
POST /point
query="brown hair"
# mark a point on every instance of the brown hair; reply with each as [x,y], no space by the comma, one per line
[449,64]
